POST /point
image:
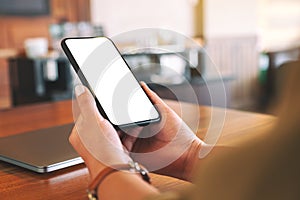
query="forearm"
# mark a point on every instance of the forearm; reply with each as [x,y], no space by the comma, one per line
[192,159]
[183,166]
[125,185]
[198,155]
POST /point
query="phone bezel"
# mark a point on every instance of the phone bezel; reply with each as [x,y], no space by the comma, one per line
[86,83]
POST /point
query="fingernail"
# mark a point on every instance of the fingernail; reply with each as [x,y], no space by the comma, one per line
[79,90]
[143,83]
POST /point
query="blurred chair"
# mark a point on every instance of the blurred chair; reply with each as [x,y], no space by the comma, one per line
[282,75]
[277,59]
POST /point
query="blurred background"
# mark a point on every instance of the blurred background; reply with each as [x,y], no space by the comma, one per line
[250,42]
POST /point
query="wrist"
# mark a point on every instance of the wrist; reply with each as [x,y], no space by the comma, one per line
[131,167]
[124,185]
[191,159]
[95,166]
[182,167]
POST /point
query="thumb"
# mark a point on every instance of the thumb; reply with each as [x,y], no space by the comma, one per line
[86,103]
[163,108]
[151,94]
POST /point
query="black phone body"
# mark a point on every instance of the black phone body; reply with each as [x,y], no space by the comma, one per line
[118,95]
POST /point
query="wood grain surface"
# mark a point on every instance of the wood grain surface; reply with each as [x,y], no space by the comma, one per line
[71,183]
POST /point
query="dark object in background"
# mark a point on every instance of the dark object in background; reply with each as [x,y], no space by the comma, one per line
[25,7]
[29,84]
[276,60]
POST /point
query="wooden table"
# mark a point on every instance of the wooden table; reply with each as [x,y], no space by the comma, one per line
[71,183]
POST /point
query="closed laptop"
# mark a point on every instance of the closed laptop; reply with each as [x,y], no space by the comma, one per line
[43,150]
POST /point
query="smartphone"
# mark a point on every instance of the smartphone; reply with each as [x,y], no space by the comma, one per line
[118,94]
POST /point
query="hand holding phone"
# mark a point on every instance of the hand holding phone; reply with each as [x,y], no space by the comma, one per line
[100,67]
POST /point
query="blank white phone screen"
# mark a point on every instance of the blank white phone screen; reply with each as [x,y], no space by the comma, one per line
[117,90]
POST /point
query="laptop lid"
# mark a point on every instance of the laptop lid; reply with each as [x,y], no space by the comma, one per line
[43,150]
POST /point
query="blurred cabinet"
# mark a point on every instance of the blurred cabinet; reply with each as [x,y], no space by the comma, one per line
[198,91]
[71,10]
[38,80]
[15,28]
[5,96]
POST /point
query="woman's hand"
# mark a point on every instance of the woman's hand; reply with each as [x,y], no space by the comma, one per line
[93,137]
[168,147]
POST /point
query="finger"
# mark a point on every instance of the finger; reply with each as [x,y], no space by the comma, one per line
[129,137]
[120,133]
[133,131]
[75,140]
[72,137]
[162,107]
[91,121]
[86,103]
[75,110]
[128,142]
[152,95]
